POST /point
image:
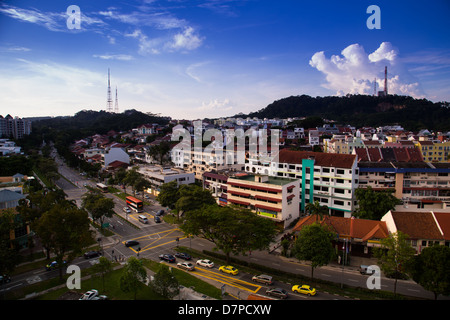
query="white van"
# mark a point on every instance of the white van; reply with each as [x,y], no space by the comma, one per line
[143,219]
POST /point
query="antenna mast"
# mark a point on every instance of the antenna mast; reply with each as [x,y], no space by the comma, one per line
[109,98]
[116,105]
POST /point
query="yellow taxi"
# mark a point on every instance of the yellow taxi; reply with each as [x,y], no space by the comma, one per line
[229,269]
[305,289]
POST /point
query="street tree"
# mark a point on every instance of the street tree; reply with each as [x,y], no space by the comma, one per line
[165,283]
[431,269]
[314,244]
[65,229]
[192,197]
[133,276]
[104,266]
[394,254]
[8,251]
[98,206]
[168,194]
[232,230]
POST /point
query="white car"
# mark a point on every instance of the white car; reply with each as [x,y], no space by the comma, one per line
[186,265]
[205,263]
[89,295]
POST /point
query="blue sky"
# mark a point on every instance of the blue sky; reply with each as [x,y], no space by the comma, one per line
[212,58]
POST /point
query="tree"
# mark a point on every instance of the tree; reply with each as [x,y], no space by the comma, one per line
[232,230]
[191,197]
[316,209]
[314,243]
[165,283]
[103,266]
[133,276]
[8,252]
[98,206]
[159,151]
[394,254]
[373,205]
[65,229]
[431,269]
[168,194]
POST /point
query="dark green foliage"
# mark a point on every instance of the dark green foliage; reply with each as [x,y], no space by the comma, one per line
[363,110]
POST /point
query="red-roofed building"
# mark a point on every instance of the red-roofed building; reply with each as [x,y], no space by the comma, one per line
[360,234]
[424,228]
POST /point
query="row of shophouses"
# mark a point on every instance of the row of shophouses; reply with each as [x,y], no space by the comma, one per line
[281,188]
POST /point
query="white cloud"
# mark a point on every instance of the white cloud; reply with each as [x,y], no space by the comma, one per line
[122,57]
[186,40]
[217,105]
[354,71]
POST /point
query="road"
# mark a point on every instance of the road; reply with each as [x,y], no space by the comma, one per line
[159,238]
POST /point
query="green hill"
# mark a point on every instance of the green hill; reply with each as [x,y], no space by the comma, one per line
[364,110]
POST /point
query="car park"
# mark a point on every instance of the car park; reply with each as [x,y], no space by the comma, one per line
[263,278]
[229,269]
[205,263]
[186,265]
[131,243]
[183,255]
[167,257]
[92,254]
[277,292]
[305,289]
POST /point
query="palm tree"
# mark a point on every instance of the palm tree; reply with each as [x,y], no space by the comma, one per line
[316,209]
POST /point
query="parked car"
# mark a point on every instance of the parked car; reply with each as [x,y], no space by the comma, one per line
[54,265]
[277,292]
[229,269]
[159,213]
[89,295]
[93,295]
[131,243]
[263,278]
[183,255]
[363,269]
[205,263]
[167,257]
[92,254]
[157,219]
[186,265]
[305,289]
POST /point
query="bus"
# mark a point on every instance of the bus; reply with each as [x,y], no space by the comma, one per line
[135,204]
[102,187]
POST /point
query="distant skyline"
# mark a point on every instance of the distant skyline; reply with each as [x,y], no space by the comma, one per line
[215,58]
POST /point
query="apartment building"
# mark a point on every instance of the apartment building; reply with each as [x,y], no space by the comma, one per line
[14,127]
[419,184]
[158,175]
[434,151]
[199,162]
[270,197]
[330,179]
